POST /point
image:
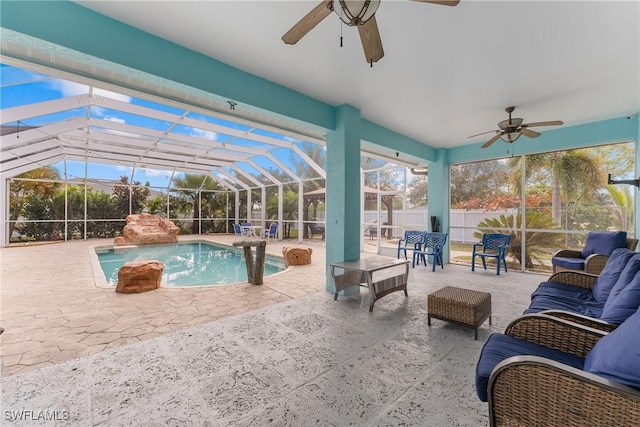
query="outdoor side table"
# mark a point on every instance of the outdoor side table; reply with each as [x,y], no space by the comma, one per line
[381,274]
[462,306]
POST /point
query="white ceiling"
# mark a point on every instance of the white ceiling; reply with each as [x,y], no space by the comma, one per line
[447,73]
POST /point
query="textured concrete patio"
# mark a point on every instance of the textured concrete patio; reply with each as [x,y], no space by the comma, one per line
[53,311]
[282,354]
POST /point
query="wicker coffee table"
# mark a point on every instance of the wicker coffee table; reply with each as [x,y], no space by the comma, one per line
[458,305]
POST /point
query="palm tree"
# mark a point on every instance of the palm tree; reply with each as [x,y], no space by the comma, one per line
[43,182]
[623,202]
[190,187]
[538,243]
[289,208]
[575,176]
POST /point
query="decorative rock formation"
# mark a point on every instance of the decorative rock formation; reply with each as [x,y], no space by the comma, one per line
[146,229]
[139,276]
[295,255]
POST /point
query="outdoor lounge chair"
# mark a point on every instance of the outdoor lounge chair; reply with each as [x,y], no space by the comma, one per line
[410,242]
[315,229]
[594,255]
[431,245]
[272,232]
[545,371]
[493,246]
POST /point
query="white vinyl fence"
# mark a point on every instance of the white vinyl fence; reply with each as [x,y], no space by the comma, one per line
[463,223]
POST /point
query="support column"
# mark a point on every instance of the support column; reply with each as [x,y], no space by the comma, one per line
[343,230]
[438,193]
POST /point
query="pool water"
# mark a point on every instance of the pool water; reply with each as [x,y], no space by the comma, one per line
[186,264]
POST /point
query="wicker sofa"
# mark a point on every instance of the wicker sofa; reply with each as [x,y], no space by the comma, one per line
[546,371]
[612,296]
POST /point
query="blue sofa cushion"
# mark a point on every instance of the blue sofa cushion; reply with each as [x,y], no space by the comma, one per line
[604,242]
[500,347]
[611,272]
[617,355]
[624,304]
[588,307]
[568,263]
[626,276]
[561,290]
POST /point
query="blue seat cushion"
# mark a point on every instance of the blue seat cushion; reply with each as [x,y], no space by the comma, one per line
[611,273]
[604,242]
[500,347]
[617,355]
[568,263]
[561,290]
[624,304]
[587,307]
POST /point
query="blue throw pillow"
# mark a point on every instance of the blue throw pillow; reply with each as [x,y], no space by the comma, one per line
[617,355]
[625,304]
[628,273]
[610,274]
[604,242]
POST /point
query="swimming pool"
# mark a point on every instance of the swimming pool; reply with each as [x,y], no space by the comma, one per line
[186,264]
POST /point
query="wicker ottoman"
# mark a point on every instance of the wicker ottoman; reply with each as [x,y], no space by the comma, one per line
[462,306]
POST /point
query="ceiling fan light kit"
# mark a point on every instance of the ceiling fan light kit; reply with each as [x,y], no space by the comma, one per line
[511,129]
[356,12]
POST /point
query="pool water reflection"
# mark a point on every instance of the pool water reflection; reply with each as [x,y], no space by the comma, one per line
[186,264]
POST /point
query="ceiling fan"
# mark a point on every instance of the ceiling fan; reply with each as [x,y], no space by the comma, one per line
[511,129]
[354,13]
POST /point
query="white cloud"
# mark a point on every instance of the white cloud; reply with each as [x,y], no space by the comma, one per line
[67,88]
[114,119]
[206,134]
[112,95]
[157,172]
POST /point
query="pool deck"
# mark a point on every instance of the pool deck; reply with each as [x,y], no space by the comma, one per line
[55,308]
[281,354]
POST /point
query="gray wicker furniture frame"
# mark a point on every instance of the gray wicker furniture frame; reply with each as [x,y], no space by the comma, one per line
[534,391]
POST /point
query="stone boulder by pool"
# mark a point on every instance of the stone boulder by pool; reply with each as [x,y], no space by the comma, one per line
[146,229]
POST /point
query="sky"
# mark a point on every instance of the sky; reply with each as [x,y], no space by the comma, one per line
[20,87]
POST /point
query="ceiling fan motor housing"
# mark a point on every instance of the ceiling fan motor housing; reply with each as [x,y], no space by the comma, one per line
[356,12]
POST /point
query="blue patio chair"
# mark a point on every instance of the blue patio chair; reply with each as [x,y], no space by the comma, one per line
[493,246]
[410,241]
[237,230]
[271,233]
[431,246]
